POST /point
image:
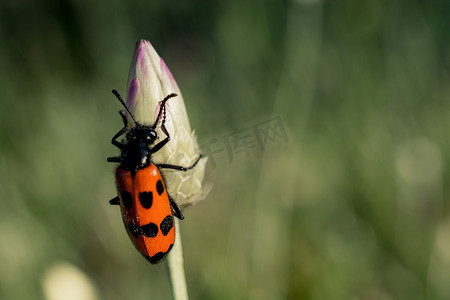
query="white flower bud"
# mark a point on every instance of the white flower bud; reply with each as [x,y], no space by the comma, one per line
[149,82]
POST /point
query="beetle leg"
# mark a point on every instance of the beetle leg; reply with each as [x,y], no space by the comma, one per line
[179,168]
[175,209]
[114,201]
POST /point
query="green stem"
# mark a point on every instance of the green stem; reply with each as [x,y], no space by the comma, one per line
[174,263]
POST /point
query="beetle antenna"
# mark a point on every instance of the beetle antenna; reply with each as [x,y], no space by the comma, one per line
[116,93]
[163,107]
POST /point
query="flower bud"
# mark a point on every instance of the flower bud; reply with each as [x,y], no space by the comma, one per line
[149,82]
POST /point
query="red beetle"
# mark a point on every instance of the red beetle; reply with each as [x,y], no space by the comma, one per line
[147,208]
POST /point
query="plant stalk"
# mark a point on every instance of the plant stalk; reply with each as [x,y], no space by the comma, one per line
[175,267]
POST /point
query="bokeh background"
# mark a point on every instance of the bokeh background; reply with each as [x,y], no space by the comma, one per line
[353,204]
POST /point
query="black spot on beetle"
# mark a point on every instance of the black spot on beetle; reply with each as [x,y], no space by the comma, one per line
[134,230]
[150,230]
[127,199]
[166,225]
[158,257]
[146,199]
[159,187]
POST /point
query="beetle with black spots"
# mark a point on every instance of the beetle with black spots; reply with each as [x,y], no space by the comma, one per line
[147,208]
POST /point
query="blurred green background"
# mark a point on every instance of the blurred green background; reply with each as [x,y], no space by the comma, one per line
[354,205]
